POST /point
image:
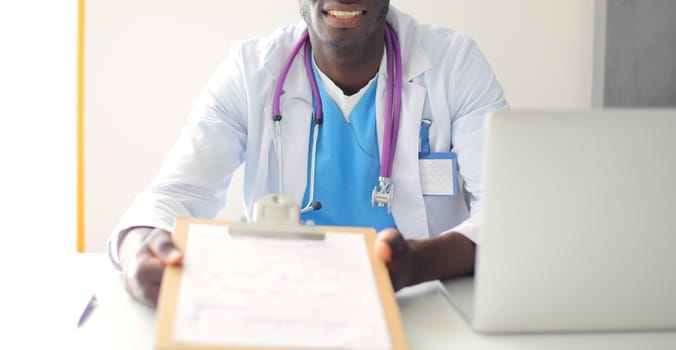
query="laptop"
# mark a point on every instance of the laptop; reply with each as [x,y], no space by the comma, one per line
[579,224]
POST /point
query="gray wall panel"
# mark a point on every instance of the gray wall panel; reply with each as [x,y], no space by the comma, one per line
[640,52]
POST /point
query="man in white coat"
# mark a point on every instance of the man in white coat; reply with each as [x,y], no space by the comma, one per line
[446,91]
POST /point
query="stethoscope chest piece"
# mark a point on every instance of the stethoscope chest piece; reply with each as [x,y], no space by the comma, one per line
[383,193]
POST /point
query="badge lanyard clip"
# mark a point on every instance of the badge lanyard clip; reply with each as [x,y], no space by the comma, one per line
[425,137]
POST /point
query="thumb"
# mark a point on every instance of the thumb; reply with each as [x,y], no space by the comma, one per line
[160,243]
[382,249]
[388,240]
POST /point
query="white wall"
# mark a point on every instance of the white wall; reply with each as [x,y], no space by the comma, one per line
[37,180]
[541,50]
[148,59]
[146,63]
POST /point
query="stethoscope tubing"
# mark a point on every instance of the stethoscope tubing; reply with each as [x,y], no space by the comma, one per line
[393,107]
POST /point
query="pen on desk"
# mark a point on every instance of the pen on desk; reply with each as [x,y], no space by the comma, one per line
[87,310]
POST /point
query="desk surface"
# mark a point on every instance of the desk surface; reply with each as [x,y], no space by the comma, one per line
[430,321]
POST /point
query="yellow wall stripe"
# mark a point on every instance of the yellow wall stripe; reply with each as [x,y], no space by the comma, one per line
[80,245]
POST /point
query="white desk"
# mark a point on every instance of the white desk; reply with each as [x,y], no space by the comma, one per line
[430,321]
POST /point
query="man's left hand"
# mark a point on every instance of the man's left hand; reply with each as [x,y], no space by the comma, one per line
[413,261]
[400,256]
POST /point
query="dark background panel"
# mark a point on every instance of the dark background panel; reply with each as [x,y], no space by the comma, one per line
[640,53]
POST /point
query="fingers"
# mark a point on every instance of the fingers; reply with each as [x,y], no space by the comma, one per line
[383,250]
[151,294]
[394,240]
[161,245]
[147,254]
[143,277]
[150,271]
[393,249]
[383,247]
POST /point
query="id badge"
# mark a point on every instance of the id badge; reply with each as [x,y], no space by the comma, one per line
[439,174]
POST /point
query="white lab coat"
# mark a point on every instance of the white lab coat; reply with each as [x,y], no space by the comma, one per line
[445,77]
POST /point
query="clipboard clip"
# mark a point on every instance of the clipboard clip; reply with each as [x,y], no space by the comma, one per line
[276,216]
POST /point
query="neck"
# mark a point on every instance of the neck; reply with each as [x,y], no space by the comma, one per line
[350,68]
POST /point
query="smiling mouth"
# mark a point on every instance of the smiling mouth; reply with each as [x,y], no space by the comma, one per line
[344,14]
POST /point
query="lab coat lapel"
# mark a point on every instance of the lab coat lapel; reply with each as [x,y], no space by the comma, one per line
[296,109]
[408,206]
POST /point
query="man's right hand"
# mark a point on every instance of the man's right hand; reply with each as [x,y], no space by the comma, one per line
[144,253]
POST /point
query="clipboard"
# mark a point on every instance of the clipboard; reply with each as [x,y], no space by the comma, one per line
[169,293]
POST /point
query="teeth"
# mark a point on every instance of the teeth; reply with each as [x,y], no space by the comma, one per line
[344,14]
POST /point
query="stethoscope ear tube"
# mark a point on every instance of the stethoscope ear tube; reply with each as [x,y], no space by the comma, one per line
[313,165]
[278,149]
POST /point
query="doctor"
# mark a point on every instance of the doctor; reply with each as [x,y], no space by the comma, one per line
[359,113]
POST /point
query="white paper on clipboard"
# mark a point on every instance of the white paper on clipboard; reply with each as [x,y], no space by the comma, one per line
[270,292]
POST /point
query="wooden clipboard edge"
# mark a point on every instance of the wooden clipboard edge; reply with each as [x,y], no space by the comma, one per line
[166,306]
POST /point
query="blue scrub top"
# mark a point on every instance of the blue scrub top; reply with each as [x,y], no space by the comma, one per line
[347,166]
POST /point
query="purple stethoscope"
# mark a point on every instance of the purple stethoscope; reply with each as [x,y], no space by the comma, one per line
[382,194]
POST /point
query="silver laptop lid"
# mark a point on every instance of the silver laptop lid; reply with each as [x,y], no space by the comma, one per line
[579,225]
